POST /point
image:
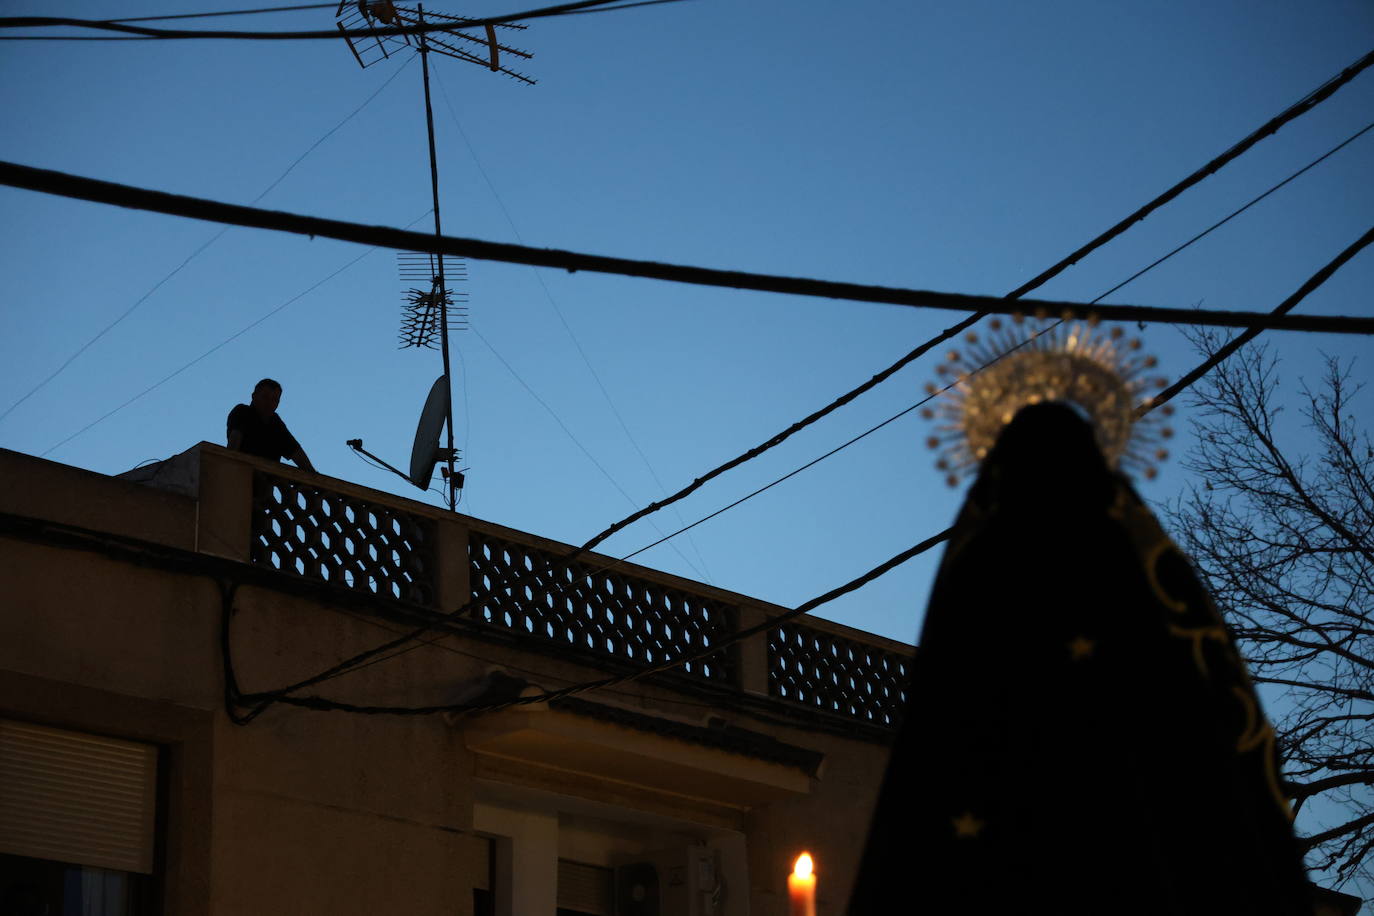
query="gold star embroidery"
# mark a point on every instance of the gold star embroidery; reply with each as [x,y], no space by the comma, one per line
[966,826]
[1081,647]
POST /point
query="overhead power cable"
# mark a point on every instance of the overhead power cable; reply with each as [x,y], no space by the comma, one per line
[1251,333]
[1239,210]
[194,254]
[700,655]
[63,184]
[1312,283]
[1270,127]
[1222,353]
[1301,107]
[1165,395]
[114,25]
[261,701]
[76,38]
[263,9]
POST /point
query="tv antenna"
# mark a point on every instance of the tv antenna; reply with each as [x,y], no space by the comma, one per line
[428,308]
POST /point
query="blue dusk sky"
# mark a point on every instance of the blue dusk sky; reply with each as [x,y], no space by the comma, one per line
[961,147]
[956,147]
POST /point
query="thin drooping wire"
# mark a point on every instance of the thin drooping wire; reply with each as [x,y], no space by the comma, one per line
[194,254]
[1250,334]
[112,25]
[1047,328]
[264,700]
[577,344]
[1133,277]
[615,563]
[230,339]
[1238,211]
[48,181]
[1294,111]
[1311,284]
[563,426]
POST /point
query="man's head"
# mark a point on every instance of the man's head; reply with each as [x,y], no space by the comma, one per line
[267,395]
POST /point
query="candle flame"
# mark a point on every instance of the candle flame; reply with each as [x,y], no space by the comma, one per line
[804,865]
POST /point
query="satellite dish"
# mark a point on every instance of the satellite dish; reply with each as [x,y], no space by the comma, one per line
[425,453]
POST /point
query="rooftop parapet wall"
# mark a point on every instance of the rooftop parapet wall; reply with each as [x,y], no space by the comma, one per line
[598,610]
[37,488]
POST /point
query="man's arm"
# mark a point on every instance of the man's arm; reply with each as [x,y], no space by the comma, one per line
[233,429]
[302,460]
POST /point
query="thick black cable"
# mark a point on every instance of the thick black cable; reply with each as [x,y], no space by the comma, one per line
[111,25]
[1289,114]
[263,700]
[748,496]
[726,698]
[265,9]
[1270,127]
[1165,395]
[76,38]
[873,429]
[65,185]
[1251,333]
[321,703]
[1239,210]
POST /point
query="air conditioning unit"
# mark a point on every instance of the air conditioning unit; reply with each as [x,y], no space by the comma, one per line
[683,881]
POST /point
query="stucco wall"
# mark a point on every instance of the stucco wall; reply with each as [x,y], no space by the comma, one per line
[304,811]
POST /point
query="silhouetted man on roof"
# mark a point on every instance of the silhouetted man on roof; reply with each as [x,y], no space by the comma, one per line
[257,430]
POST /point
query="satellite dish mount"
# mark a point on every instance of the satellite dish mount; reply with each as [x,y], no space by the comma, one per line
[427,311]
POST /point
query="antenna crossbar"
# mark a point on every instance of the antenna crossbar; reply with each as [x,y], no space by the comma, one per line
[364,14]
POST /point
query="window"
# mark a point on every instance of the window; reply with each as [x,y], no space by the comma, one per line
[77,816]
[584,890]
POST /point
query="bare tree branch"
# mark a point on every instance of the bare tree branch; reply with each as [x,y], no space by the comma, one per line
[1284,534]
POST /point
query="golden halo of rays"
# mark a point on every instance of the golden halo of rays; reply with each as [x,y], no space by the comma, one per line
[1102,374]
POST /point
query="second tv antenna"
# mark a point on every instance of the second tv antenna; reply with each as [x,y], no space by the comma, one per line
[426,315]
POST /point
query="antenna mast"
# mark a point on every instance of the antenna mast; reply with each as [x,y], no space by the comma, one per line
[440,290]
[427,312]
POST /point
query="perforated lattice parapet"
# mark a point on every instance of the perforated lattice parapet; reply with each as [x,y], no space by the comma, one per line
[814,668]
[530,592]
[321,534]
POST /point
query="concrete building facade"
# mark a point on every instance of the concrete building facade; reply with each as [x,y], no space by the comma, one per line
[140,615]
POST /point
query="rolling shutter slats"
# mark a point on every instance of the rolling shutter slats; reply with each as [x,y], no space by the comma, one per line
[77,798]
[585,888]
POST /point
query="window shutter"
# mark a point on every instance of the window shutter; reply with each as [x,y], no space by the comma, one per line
[585,888]
[78,798]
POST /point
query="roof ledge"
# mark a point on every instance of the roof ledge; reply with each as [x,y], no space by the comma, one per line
[722,765]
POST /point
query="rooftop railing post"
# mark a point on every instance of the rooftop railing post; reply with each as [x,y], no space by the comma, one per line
[225,506]
[752,653]
[452,585]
